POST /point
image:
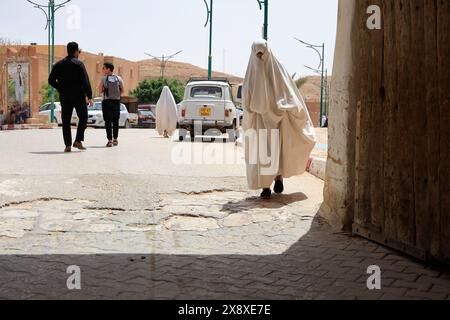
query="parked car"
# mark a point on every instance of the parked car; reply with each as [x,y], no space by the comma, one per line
[240,116]
[149,107]
[208,103]
[240,107]
[46,109]
[146,119]
[95,116]
[239,95]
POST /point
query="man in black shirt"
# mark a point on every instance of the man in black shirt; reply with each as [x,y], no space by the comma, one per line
[70,78]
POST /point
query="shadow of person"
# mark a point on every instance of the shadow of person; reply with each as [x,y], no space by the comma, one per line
[50,153]
[276,202]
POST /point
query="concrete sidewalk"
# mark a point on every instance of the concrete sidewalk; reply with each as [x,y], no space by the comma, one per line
[318,162]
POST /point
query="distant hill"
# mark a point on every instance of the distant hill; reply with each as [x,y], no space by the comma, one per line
[311,88]
[150,69]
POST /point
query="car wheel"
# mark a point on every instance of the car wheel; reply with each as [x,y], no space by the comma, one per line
[127,125]
[182,134]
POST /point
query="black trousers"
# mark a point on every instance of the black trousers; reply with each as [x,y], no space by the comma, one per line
[67,106]
[111,116]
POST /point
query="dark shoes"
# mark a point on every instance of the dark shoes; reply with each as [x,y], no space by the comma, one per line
[266,194]
[112,143]
[78,145]
[279,187]
[67,150]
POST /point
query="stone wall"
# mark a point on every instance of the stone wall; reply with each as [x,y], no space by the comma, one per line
[339,184]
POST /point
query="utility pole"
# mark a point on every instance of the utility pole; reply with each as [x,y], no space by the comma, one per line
[321,70]
[265,3]
[49,11]
[209,20]
[164,60]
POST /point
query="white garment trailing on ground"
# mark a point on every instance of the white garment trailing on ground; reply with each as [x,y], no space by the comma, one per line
[283,135]
[166,113]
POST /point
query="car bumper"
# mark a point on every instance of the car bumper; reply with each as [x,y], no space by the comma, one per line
[95,123]
[206,124]
[146,124]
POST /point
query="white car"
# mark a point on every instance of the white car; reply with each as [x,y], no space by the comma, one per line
[95,116]
[209,104]
[46,109]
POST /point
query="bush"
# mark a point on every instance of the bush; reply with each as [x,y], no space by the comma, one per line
[300,82]
[149,91]
[45,94]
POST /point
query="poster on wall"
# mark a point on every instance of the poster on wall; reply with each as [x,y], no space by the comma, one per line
[19,91]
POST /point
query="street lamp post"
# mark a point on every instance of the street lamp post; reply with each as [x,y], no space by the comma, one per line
[266,17]
[164,59]
[321,68]
[49,11]
[209,20]
[323,111]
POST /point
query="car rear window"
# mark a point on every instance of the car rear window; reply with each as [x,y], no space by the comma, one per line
[206,92]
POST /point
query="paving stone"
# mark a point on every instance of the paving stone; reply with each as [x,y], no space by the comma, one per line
[15,228]
[425,295]
[237,220]
[191,224]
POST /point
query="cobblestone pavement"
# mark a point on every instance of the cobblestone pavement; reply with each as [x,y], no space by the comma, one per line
[188,232]
[321,265]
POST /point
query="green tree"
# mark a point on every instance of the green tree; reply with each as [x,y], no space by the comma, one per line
[149,91]
[300,82]
[45,94]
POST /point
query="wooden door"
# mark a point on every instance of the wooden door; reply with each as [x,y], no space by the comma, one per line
[401,89]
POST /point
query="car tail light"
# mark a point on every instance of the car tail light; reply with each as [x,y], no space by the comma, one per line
[183,113]
[227,113]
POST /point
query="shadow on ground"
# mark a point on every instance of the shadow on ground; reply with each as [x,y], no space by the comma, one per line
[321,265]
[276,202]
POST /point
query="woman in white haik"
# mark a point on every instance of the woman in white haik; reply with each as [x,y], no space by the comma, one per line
[166,113]
[279,134]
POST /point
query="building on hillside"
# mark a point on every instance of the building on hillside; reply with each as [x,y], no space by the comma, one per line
[24,71]
[313,106]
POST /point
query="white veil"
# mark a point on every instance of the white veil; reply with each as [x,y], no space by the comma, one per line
[272,101]
[166,113]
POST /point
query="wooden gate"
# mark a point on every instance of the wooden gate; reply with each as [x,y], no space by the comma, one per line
[402,92]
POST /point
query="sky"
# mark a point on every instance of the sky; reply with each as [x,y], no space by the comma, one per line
[128,29]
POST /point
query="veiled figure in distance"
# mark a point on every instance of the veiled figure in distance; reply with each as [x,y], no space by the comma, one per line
[166,114]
